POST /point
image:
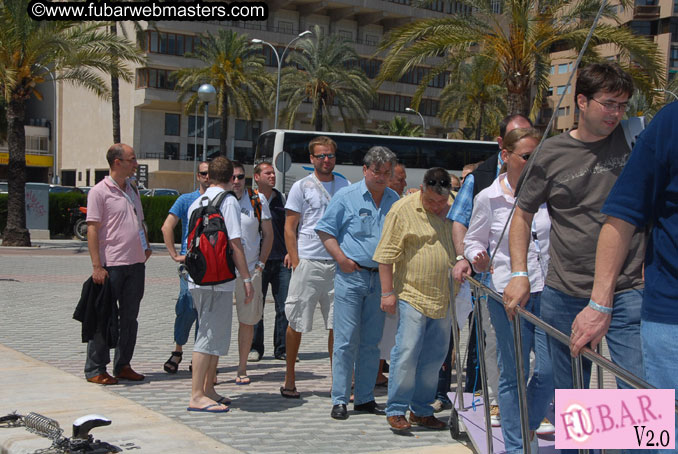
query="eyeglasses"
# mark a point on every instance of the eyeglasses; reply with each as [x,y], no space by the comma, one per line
[239,177]
[613,107]
[128,160]
[324,155]
[204,174]
[455,188]
[441,183]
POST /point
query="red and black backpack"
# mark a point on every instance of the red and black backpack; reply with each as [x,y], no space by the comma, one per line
[209,259]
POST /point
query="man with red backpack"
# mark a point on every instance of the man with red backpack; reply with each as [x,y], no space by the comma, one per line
[214,302]
[257,240]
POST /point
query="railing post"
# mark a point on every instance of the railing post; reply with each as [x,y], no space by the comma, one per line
[457,349]
[520,376]
[480,342]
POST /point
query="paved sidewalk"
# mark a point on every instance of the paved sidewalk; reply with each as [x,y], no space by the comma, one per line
[40,287]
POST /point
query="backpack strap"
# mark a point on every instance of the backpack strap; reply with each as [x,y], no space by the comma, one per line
[256,204]
[219,199]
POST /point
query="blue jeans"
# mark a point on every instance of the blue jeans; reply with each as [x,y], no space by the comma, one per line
[660,351]
[358,324]
[623,337]
[445,375]
[185,313]
[420,348]
[540,387]
[276,274]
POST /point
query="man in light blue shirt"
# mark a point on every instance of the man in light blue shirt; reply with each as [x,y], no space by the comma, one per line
[185,312]
[350,230]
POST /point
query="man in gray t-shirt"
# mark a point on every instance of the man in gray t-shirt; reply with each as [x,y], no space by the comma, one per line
[573,173]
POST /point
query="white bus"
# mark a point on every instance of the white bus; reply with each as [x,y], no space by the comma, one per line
[417,154]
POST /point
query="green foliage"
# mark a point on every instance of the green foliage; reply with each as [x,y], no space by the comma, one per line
[324,69]
[399,126]
[519,40]
[155,212]
[59,216]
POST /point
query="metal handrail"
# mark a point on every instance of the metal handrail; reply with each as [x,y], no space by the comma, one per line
[597,359]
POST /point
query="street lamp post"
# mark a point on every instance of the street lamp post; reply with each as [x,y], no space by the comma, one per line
[195,147]
[280,59]
[423,123]
[55,168]
[664,90]
[207,94]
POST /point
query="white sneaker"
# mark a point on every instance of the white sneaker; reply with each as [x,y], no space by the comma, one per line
[495,417]
[438,405]
[253,356]
[546,428]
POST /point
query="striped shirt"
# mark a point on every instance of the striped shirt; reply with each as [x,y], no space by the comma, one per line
[420,245]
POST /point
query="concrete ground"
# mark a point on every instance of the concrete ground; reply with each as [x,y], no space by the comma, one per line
[42,360]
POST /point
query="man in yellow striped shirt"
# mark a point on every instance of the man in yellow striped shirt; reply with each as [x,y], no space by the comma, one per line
[417,239]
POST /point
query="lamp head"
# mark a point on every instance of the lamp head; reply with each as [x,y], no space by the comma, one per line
[207,93]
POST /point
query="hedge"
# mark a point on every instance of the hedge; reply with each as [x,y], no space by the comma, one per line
[155,212]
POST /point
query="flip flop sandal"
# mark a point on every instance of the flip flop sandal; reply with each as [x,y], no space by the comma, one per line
[242,380]
[171,366]
[289,393]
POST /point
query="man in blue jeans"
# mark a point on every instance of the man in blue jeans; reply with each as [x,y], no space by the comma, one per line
[350,230]
[185,312]
[278,269]
[573,173]
[643,195]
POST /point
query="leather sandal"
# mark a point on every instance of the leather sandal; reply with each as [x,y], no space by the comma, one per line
[171,366]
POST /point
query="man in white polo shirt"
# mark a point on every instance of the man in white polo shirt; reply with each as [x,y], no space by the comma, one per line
[312,279]
[257,240]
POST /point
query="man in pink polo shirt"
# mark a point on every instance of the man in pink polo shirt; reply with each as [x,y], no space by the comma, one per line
[118,246]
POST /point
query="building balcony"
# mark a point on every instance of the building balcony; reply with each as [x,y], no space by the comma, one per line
[646,12]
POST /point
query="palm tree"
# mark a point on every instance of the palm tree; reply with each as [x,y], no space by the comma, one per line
[399,126]
[520,39]
[325,71]
[79,52]
[236,70]
[474,96]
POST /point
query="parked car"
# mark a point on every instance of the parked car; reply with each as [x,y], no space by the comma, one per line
[3,187]
[55,189]
[85,189]
[158,191]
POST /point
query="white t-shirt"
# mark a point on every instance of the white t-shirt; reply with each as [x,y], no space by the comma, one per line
[249,226]
[231,213]
[310,202]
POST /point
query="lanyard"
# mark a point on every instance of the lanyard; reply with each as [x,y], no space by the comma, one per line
[129,199]
[323,191]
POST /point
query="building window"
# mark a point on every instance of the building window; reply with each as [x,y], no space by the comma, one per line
[155,78]
[373,40]
[346,34]
[553,70]
[247,130]
[561,89]
[213,127]
[172,124]
[171,150]
[549,92]
[562,68]
[673,57]
[285,26]
[170,43]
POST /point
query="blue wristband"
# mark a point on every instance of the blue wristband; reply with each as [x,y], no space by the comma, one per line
[597,307]
[519,274]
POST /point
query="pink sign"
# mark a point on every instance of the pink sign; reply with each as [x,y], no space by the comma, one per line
[615,418]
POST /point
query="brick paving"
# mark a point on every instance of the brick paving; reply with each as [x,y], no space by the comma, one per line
[40,287]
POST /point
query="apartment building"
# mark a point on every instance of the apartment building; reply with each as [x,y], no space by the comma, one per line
[164,136]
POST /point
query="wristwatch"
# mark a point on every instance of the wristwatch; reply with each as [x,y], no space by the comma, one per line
[460,258]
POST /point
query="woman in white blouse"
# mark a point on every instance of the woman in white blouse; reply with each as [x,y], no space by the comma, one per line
[491,210]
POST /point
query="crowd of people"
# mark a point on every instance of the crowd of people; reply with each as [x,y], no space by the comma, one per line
[378,263]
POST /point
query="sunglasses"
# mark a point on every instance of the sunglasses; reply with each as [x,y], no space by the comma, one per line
[456,188]
[441,183]
[204,174]
[239,177]
[323,156]
[525,156]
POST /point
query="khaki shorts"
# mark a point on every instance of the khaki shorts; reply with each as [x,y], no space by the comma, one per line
[251,313]
[311,283]
[215,313]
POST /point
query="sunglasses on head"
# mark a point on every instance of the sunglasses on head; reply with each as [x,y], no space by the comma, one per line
[441,183]
[204,174]
[239,177]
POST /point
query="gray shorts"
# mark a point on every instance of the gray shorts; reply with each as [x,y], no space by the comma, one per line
[250,313]
[215,314]
[312,283]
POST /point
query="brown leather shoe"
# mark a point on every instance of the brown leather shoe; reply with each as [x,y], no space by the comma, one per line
[103,379]
[398,422]
[430,422]
[127,373]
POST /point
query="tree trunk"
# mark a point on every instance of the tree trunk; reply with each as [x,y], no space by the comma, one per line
[479,129]
[518,103]
[223,131]
[16,233]
[318,121]
[115,98]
